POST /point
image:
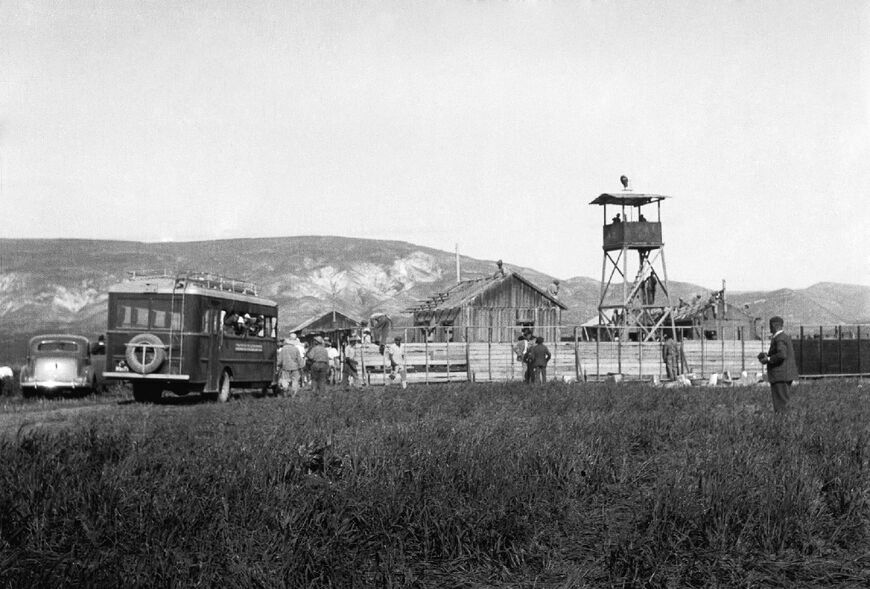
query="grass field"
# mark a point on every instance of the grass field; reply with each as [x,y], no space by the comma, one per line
[455,485]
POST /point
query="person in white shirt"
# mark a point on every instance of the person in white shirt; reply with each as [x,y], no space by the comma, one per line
[334,363]
[397,362]
[350,375]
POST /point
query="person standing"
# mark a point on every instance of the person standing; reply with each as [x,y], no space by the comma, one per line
[334,362]
[397,362]
[520,349]
[670,355]
[318,360]
[350,372]
[540,357]
[289,368]
[781,365]
[527,358]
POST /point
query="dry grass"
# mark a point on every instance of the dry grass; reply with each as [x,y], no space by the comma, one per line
[459,485]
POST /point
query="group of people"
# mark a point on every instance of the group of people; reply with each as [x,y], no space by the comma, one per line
[237,324]
[534,355]
[320,362]
[618,219]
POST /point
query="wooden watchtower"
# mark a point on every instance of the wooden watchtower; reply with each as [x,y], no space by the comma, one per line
[635,299]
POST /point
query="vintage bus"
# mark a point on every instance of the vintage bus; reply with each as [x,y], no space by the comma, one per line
[190,332]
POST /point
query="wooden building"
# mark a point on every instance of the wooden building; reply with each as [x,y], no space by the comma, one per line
[714,318]
[497,308]
[334,324]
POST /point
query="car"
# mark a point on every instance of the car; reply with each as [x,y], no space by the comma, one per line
[58,363]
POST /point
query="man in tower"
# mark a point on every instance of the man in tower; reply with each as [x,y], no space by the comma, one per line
[781,365]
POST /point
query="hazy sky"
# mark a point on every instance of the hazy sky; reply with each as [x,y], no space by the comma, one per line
[487,124]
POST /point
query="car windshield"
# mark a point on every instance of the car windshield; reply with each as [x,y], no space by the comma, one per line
[57,346]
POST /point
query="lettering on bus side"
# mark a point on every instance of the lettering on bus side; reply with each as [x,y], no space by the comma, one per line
[248,347]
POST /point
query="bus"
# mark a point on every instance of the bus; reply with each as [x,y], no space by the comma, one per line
[190,332]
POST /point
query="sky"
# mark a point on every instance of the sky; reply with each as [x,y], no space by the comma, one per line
[487,125]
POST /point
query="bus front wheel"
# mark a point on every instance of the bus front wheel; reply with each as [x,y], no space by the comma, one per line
[225,387]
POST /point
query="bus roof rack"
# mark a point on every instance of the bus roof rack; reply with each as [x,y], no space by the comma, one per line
[204,279]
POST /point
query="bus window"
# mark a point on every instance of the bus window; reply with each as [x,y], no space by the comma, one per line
[140,317]
[234,323]
[165,319]
[124,316]
[163,316]
[256,326]
[207,321]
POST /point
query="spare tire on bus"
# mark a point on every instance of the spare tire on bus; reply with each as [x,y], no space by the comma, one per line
[145,353]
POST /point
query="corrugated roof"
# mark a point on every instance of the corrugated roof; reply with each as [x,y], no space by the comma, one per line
[464,293]
[629,199]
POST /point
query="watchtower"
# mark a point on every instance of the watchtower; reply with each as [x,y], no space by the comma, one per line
[635,298]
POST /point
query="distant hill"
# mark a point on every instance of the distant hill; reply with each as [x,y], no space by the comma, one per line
[60,285]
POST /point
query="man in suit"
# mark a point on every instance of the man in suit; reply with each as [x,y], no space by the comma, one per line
[781,366]
[540,357]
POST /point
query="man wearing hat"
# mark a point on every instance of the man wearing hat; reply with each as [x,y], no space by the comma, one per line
[397,362]
[318,360]
[781,365]
[289,366]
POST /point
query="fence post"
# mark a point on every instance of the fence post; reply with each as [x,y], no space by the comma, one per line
[447,353]
[468,374]
[554,375]
[577,356]
[513,358]
[840,348]
[489,354]
[362,359]
[425,333]
[384,363]
[821,337]
[801,352]
[703,352]
[640,356]
[598,353]
[860,368]
[742,349]
[619,350]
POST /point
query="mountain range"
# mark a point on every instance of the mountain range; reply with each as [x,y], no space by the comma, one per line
[61,284]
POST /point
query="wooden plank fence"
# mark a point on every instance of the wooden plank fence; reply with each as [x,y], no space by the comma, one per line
[496,362]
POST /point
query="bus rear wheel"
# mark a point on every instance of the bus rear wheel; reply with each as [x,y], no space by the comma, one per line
[225,390]
[147,393]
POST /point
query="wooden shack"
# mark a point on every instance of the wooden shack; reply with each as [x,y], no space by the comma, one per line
[333,324]
[496,308]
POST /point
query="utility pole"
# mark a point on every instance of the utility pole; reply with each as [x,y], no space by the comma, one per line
[458,274]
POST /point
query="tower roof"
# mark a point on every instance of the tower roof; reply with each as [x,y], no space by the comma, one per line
[629,199]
